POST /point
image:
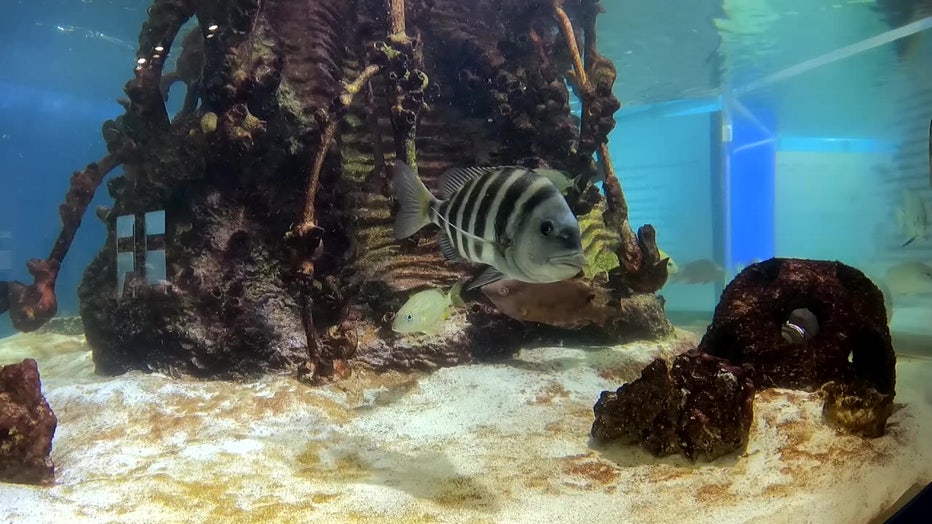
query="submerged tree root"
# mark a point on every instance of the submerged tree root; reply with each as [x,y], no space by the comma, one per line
[31,306]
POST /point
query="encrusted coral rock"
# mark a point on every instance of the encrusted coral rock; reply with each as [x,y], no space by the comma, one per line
[642,411]
[701,407]
[27,426]
[856,409]
[717,407]
[853,341]
[851,348]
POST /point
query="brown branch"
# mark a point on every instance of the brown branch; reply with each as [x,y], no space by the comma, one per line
[83,186]
[636,252]
[31,306]
[307,219]
[566,27]
[615,197]
[397,17]
[308,224]
[357,85]
[612,185]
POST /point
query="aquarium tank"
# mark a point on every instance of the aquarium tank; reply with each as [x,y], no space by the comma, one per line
[511,261]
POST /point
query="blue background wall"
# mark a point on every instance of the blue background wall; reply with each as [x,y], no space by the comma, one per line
[664,164]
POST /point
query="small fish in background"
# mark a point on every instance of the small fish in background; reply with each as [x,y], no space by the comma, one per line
[702,271]
[510,218]
[909,278]
[911,217]
[800,327]
[425,311]
[568,304]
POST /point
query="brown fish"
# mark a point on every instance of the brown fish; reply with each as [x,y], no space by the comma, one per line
[569,304]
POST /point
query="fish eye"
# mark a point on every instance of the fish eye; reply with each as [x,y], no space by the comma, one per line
[409,317]
[546,228]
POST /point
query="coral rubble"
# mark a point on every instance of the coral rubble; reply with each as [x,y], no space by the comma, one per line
[27,425]
[704,402]
[701,406]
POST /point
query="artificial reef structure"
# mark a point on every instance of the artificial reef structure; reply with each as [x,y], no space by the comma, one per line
[274,180]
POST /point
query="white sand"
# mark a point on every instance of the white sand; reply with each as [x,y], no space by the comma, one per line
[486,443]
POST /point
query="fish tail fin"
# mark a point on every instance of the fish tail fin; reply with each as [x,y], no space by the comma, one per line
[456,298]
[415,201]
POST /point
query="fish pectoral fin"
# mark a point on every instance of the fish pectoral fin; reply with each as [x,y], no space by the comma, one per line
[488,276]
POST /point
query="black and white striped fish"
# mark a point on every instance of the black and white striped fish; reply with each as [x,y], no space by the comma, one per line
[510,218]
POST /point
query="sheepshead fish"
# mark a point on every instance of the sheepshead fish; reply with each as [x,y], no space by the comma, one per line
[569,304]
[510,218]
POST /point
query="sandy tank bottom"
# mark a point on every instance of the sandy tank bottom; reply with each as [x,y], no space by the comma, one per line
[505,442]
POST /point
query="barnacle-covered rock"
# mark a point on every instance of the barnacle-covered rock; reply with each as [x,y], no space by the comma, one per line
[701,407]
[856,408]
[853,341]
[27,425]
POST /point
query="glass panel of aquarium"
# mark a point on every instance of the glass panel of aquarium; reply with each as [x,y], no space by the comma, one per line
[589,261]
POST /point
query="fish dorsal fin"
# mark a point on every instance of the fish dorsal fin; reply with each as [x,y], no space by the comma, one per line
[560,179]
[457,177]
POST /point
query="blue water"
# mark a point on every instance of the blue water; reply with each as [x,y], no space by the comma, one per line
[59,82]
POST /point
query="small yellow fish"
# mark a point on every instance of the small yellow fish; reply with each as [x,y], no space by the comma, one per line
[425,311]
[672,268]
